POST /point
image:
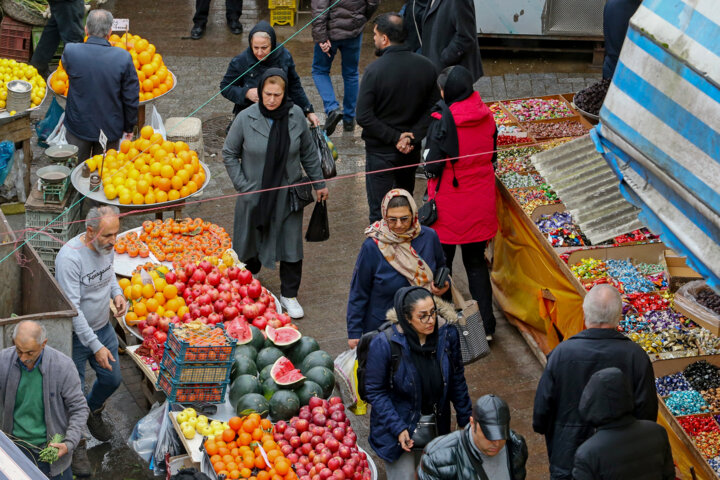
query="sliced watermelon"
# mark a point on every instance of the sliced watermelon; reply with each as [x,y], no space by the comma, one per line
[239,329]
[285,374]
[282,337]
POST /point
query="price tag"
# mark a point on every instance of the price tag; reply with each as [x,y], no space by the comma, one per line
[103,140]
[121,24]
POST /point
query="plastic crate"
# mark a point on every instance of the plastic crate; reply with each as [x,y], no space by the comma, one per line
[281,4]
[282,16]
[47,255]
[193,393]
[182,351]
[183,372]
[60,221]
[15,39]
[52,239]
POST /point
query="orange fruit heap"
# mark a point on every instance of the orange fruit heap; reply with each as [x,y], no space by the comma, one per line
[149,170]
[158,297]
[154,77]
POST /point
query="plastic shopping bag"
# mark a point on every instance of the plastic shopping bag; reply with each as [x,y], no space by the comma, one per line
[167,442]
[346,376]
[144,437]
[319,226]
[57,137]
[7,153]
[47,125]
[325,153]
[156,122]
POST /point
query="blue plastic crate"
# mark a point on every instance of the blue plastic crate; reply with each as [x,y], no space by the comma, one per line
[184,372]
[191,393]
[184,352]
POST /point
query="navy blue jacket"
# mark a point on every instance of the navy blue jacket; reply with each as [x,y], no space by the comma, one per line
[104,90]
[398,409]
[616,17]
[375,281]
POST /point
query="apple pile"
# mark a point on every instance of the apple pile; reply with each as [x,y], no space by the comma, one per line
[321,444]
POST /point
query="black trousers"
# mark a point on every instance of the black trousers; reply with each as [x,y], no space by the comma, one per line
[233,10]
[473,256]
[377,185]
[86,148]
[290,275]
[66,24]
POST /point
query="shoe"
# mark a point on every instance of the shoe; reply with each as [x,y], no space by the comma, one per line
[488,338]
[197,32]
[333,118]
[97,426]
[235,27]
[349,126]
[80,461]
[292,307]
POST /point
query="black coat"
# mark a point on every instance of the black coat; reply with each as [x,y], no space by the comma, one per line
[449,35]
[396,94]
[622,448]
[449,458]
[569,367]
[616,17]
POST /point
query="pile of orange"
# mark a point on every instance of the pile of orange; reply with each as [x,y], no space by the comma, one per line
[158,297]
[149,170]
[155,79]
[237,452]
[189,240]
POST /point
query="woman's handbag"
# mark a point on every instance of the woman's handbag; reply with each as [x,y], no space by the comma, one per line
[319,226]
[300,195]
[427,214]
[425,431]
[473,342]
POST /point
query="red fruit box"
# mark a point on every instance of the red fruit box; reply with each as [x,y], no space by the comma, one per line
[192,393]
[212,347]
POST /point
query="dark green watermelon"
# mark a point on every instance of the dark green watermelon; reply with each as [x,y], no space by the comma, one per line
[284,405]
[318,358]
[267,356]
[308,390]
[269,388]
[252,402]
[258,339]
[243,385]
[301,349]
[324,377]
[265,373]
[242,366]
[268,343]
[246,351]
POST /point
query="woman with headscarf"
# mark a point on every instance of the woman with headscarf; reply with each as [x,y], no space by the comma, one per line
[266,147]
[464,187]
[398,252]
[240,83]
[414,371]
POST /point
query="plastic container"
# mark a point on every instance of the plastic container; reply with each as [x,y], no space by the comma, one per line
[193,393]
[282,16]
[281,4]
[183,351]
[184,373]
[15,39]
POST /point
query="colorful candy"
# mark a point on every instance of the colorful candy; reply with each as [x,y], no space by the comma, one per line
[671,383]
[570,128]
[702,375]
[686,403]
[538,109]
[695,424]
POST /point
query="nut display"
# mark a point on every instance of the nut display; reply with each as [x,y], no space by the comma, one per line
[709,299]
[570,128]
[591,99]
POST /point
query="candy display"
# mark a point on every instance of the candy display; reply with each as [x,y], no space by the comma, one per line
[626,273]
[517,180]
[702,375]
[636,236]
[708,443]
[503,140]
[671,383]
[695,424]
[712,397]
[709,299]
[560,230]
[538,109]
[506,129]
[589,268]
[680,344]
[499,115]
[570,128]
[532,197]
[591,98]
[686,403]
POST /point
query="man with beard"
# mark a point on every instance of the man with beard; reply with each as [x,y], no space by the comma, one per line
[396,94]
[84,270]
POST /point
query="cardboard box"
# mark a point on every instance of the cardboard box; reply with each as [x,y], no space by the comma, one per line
[677,271]
[638,253]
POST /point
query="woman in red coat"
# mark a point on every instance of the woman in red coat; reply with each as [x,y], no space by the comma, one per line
[463,186]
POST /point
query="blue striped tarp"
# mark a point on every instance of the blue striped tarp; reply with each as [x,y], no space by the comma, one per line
[14,465]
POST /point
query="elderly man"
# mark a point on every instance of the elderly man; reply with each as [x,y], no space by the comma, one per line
[84,270]
[485,449]
[40,396]
[570,366]
[104,92]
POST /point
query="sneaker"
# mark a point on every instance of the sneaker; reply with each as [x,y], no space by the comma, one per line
[97,426]
[80,461]
[292,306]
[488,338]
[349,125]
[333,118]
[197,32]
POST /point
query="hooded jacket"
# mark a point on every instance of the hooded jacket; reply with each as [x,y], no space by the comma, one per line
[397,409]
[242,76]
[344,20]
[622,448]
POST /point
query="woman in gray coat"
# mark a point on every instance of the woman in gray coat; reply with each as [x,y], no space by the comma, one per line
[265,148]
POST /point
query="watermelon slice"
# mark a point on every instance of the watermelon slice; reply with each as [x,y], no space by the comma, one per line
[285,374]
[282,337]
[239,329]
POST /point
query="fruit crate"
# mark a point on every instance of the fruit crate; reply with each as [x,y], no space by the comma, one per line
[39,215]
[51,239]
[15,39]
[184,372]
[282,16]
[183,351]
[193,393]
[48,255]
[272,4]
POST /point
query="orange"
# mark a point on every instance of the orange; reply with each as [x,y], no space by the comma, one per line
[160,298]
[146,131]
[142,186]
[168,146]
[140,74]
[150,198]
[167,171]
[176,182]
[144,58]
[155,80]
[260,462]
[173,195]
[131,318]
[161,196]
[138,198]
[148,69]
[229,433]
[257,433]
[244,438]
[282,466]
[141,45]
[235,422]
[148,290]
[156,138]
[147,85]
[173,305]
[192,187]
[124,283]
[155,168]
[218,466]
[137,291]
[125,146]
[152,305]
[184,192]
[140,309]
[170,291]
[177,164]
[245,473]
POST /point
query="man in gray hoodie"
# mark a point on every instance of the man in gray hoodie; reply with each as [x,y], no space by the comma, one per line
[40,396]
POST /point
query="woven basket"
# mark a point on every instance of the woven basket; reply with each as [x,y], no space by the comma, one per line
[16,12]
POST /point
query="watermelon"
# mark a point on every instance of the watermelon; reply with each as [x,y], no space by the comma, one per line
[269,388]
[301,349]
[318,358]
[267,343]
[242,366]
[308,390]
[285,374]
[284,405]
[282,337]
[258,339]
[252,402]
[239,329]
[323,377]
[265,373]
[243,385]
[267,356]
[247,351]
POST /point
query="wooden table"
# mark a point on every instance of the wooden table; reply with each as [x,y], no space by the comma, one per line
[18,129]
[149,384]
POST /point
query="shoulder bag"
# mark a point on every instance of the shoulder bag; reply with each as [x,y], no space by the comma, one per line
[425,431]
[427,214]
[469,325]
[300,195]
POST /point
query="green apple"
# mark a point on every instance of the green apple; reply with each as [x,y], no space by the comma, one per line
[207,431]
[191,412]
[216,424]
[182,417]
[188,431]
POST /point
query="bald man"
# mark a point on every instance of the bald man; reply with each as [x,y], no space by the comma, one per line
[40,396]
[570,366]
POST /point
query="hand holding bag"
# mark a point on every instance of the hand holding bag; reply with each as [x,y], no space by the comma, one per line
[473,341]
[319,226]
[425,431]
[300,195]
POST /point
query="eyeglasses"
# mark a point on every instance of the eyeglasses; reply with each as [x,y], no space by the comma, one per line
[428,317]
[395,220]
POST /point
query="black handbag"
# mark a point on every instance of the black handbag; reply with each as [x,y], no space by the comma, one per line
[300,195]
[319,226]
[425,431]
[427,214]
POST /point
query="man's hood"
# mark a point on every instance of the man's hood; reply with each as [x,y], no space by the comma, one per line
[607,397]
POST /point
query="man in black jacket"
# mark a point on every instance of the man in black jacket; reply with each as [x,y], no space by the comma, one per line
[623,448]
[570,366]
[486,449]
[396,94]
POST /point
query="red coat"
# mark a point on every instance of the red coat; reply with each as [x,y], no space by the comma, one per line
[466,213]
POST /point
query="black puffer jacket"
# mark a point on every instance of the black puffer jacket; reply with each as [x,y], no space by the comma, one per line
[622,448]
[449,458]
[344,20]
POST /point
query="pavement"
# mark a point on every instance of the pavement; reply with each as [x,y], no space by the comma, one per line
[510,371]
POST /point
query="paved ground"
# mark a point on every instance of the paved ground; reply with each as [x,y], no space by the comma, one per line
[511,371]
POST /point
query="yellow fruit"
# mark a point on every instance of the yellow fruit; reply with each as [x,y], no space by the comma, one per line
[124,283]
[138,198]
[148,291]
[160,298]
[160,284]
[127,291]
[136,292]
[110,192]
[125,198]
[173,195]
[142,186]
[167,171]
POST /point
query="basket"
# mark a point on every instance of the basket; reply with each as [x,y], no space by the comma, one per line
[281,4]
[15,40]
[178,393]
[182,351]
[16,12]
[184,373]
[282,16]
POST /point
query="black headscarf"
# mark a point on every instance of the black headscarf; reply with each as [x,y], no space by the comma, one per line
[264,26]
[424,356]
[276,155]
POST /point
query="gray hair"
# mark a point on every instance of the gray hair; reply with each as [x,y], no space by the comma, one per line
[602,306]
[261,35]
[39,331]
[99,22]
[97,213]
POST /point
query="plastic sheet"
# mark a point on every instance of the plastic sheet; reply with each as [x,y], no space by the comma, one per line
[686,299]
[144,437]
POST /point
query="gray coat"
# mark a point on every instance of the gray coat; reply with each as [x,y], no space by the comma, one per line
[66,410]
[344,20]
[244,158]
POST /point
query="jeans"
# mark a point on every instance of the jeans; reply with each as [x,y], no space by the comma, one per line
[233,10]
[403,468]
[377,185]
[290,275]
[44,467]
[473,256]
[107,381]
[86,148]
[350,58]
[66,24]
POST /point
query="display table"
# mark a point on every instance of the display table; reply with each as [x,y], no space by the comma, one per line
[149,382]
[19,129]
